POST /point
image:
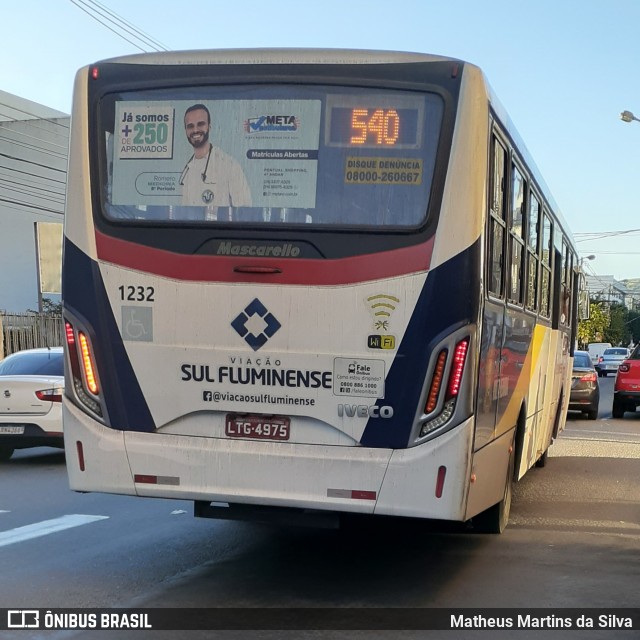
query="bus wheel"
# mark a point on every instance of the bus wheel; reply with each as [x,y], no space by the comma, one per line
[495,518]
[541,462]
[5,453]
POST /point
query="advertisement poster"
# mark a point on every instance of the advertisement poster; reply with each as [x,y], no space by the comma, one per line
[238,153]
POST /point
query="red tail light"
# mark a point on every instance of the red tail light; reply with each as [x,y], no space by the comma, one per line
[71,338]
[624,367]
[83,370]
[589,377]
[453,385]
[459,358]
[50,395]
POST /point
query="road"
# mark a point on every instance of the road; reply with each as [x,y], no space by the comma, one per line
[573,541]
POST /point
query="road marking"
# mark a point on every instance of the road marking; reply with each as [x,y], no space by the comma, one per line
[45,527]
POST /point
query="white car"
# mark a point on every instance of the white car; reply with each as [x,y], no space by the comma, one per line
[31,390]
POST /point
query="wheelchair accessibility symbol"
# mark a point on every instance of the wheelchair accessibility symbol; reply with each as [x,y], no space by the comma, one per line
[137,324]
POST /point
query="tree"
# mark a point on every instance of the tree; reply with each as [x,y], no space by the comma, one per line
[49,307]
[593,329]
[618,331]
[634,326]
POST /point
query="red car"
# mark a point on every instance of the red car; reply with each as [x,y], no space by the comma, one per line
[626,392]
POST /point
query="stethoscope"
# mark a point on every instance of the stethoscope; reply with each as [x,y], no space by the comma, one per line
[203,175]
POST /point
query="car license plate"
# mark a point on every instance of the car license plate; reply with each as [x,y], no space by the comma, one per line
[12,429]
[257,427]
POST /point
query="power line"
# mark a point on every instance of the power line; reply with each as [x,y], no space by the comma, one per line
[27,189]
[35,164]
[35,116]
[107,26]
[598,235]
[31,206]
[159,46]
[21,208]
[34,175]
[618,253]
[32,147]
[9,129]
[97,11]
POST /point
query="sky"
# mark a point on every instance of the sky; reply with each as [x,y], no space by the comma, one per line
[563,69]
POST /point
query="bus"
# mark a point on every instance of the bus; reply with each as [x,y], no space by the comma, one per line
[299,284]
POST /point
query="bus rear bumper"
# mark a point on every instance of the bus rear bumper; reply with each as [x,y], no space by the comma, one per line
[407,482]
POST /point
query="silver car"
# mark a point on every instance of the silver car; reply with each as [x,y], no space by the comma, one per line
[610,360]
[31,389]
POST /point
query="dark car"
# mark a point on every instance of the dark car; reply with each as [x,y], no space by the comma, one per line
[585,390]
[626,391]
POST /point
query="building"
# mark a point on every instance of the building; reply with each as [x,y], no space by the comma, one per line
[34,142]
[608,289]
[633,286]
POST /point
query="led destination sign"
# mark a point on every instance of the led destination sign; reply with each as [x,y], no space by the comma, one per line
[361,127]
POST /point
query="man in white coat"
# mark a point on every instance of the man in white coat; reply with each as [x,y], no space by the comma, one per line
[211,178]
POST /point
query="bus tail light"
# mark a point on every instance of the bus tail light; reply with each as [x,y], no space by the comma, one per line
[455,377]
[87,364]
[453,385]
[83,369]
[436,382]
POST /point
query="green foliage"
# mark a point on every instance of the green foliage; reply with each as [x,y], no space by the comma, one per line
[617,333]
[633,323]
[593,329]
[49,307]
[612,323]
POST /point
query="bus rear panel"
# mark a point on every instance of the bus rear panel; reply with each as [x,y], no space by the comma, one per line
[271,283]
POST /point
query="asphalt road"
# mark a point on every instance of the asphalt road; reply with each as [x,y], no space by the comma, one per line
[573,541]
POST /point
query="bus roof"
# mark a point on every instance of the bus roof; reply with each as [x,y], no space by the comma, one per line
[279,56]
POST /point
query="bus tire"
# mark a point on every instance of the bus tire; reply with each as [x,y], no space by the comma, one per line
[541,462]
[495,518]
[5,453]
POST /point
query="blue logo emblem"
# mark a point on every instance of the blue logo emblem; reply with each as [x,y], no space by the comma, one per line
[262,324]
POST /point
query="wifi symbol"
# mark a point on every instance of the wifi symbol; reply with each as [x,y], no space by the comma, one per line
[382,305]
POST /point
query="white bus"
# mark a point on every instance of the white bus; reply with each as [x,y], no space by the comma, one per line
[301,283]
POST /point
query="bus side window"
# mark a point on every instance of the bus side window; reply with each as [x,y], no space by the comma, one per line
[565,292]
[497,218]
[532,251]
[517,253]
[546,253]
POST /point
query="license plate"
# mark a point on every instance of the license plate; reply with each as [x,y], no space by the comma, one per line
[257,427]
[12,429]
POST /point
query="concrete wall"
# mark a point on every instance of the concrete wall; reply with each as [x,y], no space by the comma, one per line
[34,144]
